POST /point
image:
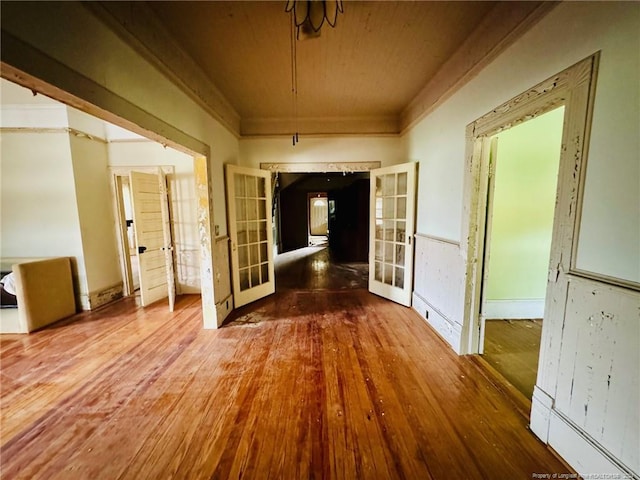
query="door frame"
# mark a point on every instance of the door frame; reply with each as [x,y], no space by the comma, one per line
[573,88]
[310,167]
[312,196]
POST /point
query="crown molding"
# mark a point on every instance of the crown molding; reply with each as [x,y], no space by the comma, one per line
[319,167]
[260,127]
[499,29]
[140,28]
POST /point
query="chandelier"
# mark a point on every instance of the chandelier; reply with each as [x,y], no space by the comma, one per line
[310,15]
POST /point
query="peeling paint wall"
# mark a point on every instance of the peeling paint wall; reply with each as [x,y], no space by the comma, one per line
[598,384]
[597,334]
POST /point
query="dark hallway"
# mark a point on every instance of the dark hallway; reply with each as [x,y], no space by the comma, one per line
[347,214]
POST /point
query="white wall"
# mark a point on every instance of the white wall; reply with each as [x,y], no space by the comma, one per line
[42,224]
[609,241]
[386,150]
[89,159]
[143,152]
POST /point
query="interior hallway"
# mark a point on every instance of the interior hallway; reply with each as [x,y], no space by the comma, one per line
[307,383]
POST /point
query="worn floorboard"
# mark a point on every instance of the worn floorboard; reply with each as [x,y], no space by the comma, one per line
[304,384]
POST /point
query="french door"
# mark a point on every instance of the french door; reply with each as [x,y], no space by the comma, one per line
[392,216]
[249,206]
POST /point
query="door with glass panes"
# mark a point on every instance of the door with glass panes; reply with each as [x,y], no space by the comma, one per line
[392,216]
[249,208]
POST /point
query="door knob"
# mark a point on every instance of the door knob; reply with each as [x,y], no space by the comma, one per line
[141,249]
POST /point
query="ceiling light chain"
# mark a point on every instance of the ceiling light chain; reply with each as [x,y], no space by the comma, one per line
[307,17]
[294,81]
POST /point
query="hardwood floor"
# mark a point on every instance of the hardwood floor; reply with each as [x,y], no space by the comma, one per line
[512,348]
[314,268]
[304,384]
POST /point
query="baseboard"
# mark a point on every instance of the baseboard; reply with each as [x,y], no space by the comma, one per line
[576,447]
[449,330]
[103,296]
[224,308]
[513,309]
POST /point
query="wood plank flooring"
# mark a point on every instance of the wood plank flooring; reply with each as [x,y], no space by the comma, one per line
[324,384]
[315,268]
[512,347]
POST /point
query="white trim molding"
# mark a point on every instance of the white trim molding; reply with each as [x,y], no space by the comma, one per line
[582,452]
[345,167]
[513,309]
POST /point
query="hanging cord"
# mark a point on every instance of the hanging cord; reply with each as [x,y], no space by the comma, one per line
[294,80]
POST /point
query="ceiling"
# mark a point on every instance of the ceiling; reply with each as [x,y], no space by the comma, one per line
[372,64]
[384,65]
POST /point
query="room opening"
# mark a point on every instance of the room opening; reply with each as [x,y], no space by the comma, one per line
[321,230]
[521,195]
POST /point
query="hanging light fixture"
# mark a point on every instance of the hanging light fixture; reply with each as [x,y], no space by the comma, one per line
[310,15]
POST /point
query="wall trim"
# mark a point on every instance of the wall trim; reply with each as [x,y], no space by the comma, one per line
[513,309]
[67,130]
[223,308]
[447,329]
[319,167]
[582,452]
[101,297]
[436,239]
[379,125]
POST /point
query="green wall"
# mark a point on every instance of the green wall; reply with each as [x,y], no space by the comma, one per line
[526,174]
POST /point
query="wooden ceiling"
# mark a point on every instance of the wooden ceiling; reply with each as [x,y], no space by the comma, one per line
[382,66]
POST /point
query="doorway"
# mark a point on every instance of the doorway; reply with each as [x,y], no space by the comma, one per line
[330,209]
[523,176]
[318,208]
[148,253]
[323,227]
[190,181]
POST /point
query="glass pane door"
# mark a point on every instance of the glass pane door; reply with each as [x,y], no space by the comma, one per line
[249,205]
[392,218]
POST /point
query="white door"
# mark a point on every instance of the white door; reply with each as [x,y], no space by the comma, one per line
[153,237]
[249,206]
[392,216]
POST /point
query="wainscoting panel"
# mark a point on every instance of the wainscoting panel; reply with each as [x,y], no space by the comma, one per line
[598,386]
[439,286]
